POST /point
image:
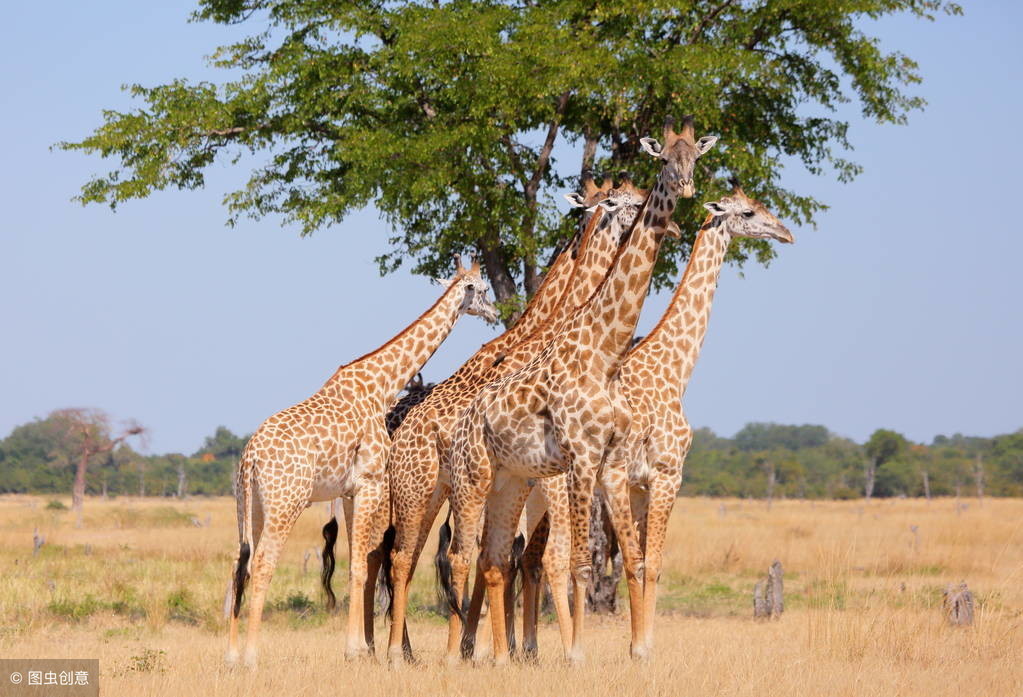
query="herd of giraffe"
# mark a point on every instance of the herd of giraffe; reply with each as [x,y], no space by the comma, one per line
[559,408]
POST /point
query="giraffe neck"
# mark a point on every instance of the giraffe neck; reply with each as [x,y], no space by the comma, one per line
[599,244]
[388,369]
[673,346]
[546,300]
[607,322]
[489,362]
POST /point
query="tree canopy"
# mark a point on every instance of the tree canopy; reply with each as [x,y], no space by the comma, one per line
[461,121]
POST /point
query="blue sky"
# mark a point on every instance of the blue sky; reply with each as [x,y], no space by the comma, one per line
[900,310]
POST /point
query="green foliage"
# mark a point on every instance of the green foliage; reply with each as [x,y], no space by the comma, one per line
[74,610]
[457,120]
[808,462]
[808,467]
[32,460]
[55,505]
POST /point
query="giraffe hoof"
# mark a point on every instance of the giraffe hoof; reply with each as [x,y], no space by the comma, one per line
[358,653]
[501,659]
[231,658]
[640,653]
[251,660]
[530,655]
[576,658]
[397,657]
[452,661]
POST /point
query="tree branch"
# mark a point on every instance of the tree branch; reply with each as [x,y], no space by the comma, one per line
[705,22]
[545,152]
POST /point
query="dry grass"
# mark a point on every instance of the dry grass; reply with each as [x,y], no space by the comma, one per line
[140,587]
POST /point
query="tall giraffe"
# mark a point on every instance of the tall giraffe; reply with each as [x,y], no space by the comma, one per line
[648,461]
[653,380]
[557,415]
[418,460]
[621,207]
[335,444]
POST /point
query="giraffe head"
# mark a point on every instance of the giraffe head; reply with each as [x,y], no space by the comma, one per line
[591,193]
[622,202]
[679,152]
[741,216]
[469,282]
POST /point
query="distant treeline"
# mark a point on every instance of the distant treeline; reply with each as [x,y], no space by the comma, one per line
[761,460]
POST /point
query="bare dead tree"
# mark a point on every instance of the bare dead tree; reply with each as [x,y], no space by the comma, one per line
[182,478]
[772,479]
[978,477]
[869,475]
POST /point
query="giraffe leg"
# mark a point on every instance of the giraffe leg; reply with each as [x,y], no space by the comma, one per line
[662,500]
[373,563]
[615,483]
[414,513]
[502,513]
[368,525]
[367,533]
[279,518]
[466,516]
[558,552]
[532,573]
[472,620]
[586,454]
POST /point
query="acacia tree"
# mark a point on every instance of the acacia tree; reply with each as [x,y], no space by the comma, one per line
[460,121]
[82,434]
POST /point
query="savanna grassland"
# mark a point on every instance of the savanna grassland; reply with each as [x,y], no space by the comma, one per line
[141,585]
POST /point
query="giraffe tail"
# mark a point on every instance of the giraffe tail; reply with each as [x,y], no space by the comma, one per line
[443,566]
[327,572]
[385,564]
[241,572]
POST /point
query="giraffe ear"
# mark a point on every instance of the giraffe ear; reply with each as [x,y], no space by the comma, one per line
[444,283]
[650,146]
[607,204]
[715,208]
[674,230]
[576,200]
[706,143]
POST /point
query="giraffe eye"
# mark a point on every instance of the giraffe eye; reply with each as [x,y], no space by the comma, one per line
[748,214]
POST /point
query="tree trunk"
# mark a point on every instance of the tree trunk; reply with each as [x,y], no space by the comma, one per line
[501,280]
[771,479]
[869,474]
[182,480]
[927,485]
[142,480]
[78,490]
[602,592]
[978,476]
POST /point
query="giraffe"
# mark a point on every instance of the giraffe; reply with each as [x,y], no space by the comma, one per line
[335,444]
[417,463]
[557,415]
[621,205]
[653,381]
